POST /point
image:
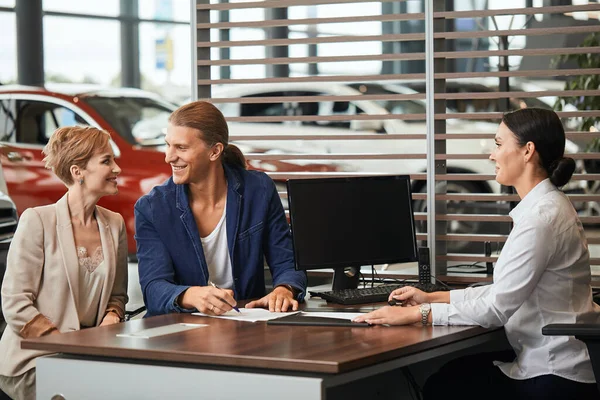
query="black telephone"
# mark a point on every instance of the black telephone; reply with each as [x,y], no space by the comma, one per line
[424,266]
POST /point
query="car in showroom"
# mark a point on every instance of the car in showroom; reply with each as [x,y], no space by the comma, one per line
[294,103]
[262,111]
[137,122]
[482,105]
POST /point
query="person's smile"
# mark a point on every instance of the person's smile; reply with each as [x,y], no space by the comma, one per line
[178,168]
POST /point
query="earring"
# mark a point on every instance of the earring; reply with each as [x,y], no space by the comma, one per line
[81,181]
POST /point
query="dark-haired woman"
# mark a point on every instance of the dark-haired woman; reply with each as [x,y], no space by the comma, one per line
[203,237]
[542,276]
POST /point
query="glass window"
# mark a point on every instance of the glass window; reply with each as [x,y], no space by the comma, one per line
[7,120]
[264,109]
[348,49]
[37,120]
[8,50]
[529,102]
[246,52]
[167,10]
[92,55]
[138,120]
[7,3]
[403,107]
[165,60]
[104,7]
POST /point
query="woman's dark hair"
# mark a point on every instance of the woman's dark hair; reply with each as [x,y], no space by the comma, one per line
[206,118]
[544,129]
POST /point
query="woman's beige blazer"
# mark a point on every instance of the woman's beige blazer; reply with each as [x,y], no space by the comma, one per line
[40,291]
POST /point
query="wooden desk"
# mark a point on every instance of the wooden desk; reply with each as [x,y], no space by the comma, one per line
[233,359]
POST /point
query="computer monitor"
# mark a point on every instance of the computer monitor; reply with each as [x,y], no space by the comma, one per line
[350,222]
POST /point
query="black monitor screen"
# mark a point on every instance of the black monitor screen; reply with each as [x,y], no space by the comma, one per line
[347,222]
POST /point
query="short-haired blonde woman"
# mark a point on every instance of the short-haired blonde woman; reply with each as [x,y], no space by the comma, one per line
[67,264]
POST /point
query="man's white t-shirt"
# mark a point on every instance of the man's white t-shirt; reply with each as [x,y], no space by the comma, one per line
[216,254]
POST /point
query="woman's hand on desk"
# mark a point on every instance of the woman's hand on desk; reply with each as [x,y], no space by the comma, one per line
[280,299]
[410,296]
[110,318]
[391,316]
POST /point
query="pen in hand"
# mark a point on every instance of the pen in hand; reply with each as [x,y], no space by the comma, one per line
[216,287]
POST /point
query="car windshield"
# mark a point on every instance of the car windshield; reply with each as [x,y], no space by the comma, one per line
[393,106]
[139,120]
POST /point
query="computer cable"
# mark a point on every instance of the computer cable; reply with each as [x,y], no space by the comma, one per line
[361,278]
[473,265]
[384,281]
[373,273]
[442,283]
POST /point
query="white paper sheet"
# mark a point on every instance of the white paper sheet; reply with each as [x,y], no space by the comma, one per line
[249,314]
[339,315]
[160,331]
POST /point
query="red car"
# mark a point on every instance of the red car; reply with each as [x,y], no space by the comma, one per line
[136,120]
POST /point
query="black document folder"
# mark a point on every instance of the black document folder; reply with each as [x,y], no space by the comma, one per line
[307,320]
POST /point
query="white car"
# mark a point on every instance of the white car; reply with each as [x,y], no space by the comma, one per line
[262,112]
[350,108]
[388,148]
[480,85]
[330,106]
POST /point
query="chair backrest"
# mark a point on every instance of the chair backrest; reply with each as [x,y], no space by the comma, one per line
[587,333]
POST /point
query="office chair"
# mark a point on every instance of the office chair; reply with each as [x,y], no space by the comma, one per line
[130,314]
[587,333]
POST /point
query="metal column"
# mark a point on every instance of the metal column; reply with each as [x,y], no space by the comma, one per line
[200,16]
[391,47]
[30,42]
[277,32]
[130,44]
[224,52]
[402,47]
[434,167]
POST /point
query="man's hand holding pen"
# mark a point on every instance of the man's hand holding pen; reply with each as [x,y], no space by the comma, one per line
[233,305]
[210,300]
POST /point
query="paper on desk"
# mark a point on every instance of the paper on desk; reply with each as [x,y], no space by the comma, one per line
[249,314]
[339,315]
[160,331]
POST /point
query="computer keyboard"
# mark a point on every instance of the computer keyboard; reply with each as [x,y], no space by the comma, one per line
[374,294]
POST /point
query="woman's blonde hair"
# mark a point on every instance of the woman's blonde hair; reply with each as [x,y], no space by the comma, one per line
[73,145]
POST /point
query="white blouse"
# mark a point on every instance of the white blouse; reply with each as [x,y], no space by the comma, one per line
[542,276]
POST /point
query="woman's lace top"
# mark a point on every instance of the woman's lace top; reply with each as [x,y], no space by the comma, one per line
[90,262]
[92,274]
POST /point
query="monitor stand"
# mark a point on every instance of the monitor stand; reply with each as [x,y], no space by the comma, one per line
[346,278]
